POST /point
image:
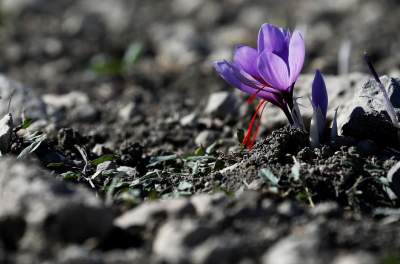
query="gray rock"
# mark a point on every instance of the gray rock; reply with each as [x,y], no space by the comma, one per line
[205,138]
[114,13]
[206,204]
[356,258]
[77,254]
[6,127]
[24,101]
[188,120]
[301,247]
[175,239]
[326,209]
[77,104]
[393,177]
[99,149]
[18,5]
[127,112]
[150,213]
[366,117]
[68,101]
[175,44]
[129,171]
[84,113]
[221,104]
[37,211]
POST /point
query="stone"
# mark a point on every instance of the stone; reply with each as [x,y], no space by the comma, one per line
[84,113]
[175,44]
[6,127]
[205,138]
[115,14]
[129,171]
[205,204]
[365,117]
[18,5]
[301,247]
[37,211]
[188,120]
[175,239]
[221,104]
[74,104]
[151,212]
[356,258]
[68,101]
[24,100]
[393,177]
[327,209]
[127,112]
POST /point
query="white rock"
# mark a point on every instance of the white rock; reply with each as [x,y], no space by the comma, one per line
[221,104]
[146,212]
[296,248]
[128,111]
[68,100]
[23,100]
[6,127]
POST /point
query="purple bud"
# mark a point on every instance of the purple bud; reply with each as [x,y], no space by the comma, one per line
[319,93]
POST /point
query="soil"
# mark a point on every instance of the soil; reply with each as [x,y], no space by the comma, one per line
[280,198]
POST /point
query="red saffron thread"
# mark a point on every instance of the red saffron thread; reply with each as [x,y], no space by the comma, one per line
[249,140]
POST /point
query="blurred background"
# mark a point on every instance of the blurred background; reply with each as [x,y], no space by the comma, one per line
[144,60]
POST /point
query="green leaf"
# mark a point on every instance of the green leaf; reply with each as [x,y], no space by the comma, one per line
[55,165]
[269,177]
[27,123]
[37,141]
[104,65]
[212,148]
[200,151]
[132,55]
[70,176]
[157,160]
[108,157]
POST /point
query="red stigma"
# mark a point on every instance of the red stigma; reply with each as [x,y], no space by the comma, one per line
[249,140]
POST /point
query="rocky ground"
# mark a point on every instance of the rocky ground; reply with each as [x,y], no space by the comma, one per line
[121,144]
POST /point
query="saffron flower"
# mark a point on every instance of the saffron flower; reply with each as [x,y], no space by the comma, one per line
[268,72]
[319,102]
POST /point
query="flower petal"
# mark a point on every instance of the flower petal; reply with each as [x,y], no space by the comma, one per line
[271,38]
[246,57]
[319,93]
[274,70]
[296,55]
[229,73]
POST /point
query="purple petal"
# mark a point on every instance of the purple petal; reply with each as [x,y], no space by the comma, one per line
[273,70]
[271,38]
[296,55]
[319,93]
[229,73]
[246,57]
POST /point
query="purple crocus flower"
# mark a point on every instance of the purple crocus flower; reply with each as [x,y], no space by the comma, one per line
[319,101]
[270,71]
[319,94]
